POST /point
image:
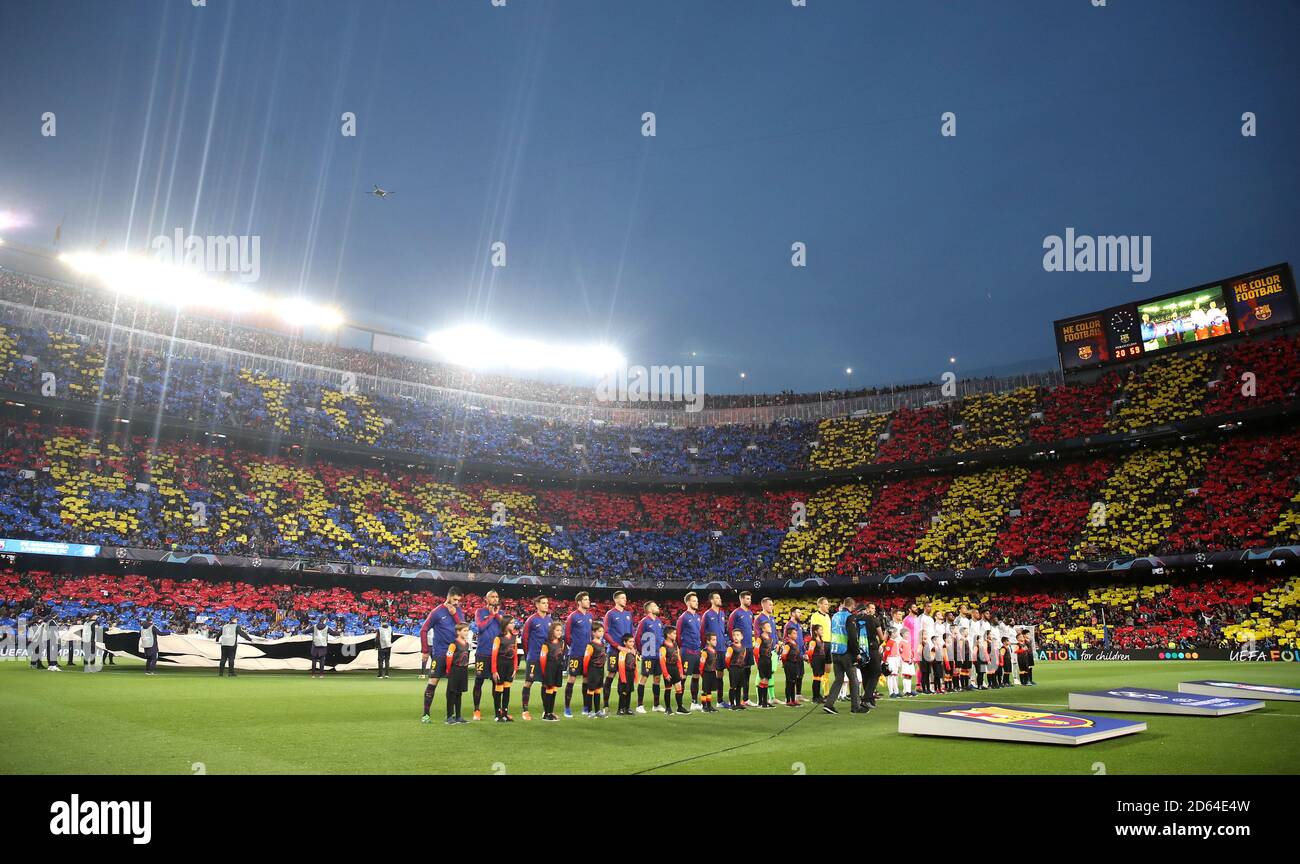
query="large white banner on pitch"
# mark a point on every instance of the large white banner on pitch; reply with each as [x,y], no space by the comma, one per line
[291,653]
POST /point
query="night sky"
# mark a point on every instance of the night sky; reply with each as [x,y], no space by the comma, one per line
[775,124]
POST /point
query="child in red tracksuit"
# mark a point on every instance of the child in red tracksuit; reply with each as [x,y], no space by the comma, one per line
[736,663]
[627,665]
[792,665]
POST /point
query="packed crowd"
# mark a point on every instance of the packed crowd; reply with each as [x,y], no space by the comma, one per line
[443,425]
[68,484]
[271,338]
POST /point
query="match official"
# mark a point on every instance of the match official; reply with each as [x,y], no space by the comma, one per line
[844,654]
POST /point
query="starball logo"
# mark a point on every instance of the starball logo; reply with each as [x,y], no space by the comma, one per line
[75,817]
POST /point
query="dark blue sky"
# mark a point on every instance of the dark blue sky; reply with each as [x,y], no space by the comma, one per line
[775,124]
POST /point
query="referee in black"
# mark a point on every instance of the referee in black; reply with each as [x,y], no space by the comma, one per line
[870,637]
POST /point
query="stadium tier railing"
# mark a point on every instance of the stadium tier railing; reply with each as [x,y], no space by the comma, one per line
[113,335]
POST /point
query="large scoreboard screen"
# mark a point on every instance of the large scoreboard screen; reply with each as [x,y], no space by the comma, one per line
[1101,337]
[1263,298]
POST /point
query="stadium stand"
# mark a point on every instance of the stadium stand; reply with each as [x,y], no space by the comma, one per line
[900,516]
[69,484]
[995,420]
[1275,365]
[1140,501]
[1170,389]
[847,443]
[970,515]
[1076,410]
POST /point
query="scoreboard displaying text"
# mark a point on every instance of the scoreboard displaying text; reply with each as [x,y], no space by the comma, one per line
[1251,301]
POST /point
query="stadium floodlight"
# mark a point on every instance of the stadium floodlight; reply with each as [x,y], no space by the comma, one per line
[301,312]
[476,346]
[154,281]
[10,219]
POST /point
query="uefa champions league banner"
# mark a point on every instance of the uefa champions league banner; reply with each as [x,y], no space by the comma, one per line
[1235,655]
[289,654]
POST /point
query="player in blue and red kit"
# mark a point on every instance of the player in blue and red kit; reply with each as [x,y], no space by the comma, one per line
[743,620]
[618,623]
[436,633]
[533,638]
[487,626]
[690,642]
[765,616]
[577,635]
[648,638]
[714,623]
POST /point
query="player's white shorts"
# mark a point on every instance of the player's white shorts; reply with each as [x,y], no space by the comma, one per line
[893,664]
[909,669]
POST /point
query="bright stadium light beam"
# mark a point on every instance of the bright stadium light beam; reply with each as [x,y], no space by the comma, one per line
[9,220]
[476,346]
[153,281]
[301,312]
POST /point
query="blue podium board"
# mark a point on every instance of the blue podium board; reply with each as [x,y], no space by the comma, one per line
[1140,700]
[1240,690]
[1014,723]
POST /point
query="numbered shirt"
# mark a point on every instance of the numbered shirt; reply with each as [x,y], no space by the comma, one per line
[648,637]
[617,625]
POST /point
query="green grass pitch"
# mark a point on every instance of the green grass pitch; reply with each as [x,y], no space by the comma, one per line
[189,721]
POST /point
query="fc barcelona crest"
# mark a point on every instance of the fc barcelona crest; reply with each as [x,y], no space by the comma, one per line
[1017,717]
[1263,312]
[1085,352]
